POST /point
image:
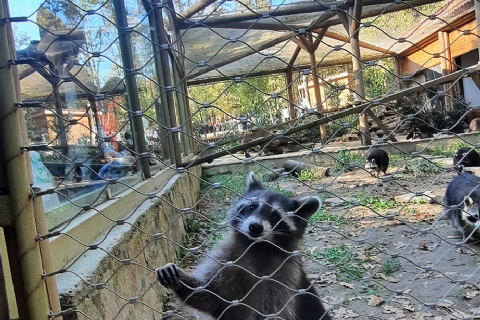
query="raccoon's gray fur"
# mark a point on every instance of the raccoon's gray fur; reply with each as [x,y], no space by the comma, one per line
[256,272]
[464,192]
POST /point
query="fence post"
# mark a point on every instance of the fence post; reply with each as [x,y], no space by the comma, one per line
[182,112]
[20,235]
[133,103]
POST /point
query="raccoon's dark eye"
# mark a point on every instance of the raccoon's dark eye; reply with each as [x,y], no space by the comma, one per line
[275,215]
[252,207]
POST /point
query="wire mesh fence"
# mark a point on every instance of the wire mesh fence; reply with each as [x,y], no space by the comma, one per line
[145,118]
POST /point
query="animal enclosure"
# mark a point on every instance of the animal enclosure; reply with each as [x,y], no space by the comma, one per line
[128,128]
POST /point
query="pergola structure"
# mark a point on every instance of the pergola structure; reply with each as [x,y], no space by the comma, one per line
[297,37]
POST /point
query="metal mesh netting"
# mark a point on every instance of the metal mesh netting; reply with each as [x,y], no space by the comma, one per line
[137,156]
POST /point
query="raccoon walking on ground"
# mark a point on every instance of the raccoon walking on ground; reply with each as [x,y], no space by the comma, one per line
[256,272]
[464,192]
[377,161]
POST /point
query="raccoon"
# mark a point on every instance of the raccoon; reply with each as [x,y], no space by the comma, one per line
[466,157]
[256,272]
[377,161]
[422,130]
[464,192]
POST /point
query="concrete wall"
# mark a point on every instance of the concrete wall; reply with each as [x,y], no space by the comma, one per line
[136,242]
[327,155]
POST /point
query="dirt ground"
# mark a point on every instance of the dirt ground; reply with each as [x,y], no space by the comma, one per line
[377,258]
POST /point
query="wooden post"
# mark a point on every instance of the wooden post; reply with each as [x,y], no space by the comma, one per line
[318,97]
[399,71]
[443,64]
[20,236]
[357,69]
[291,104]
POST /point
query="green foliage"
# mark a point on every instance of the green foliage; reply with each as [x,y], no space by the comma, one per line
[396,159]
[252,96]
[345,157]
[391,266]
[348,263]
[379,79]
[377,204]
[370,289]
[310,174]
[191,225]
[422,166]
[446,151]
[324,216]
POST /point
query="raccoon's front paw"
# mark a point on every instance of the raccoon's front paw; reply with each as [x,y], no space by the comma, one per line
[168,276]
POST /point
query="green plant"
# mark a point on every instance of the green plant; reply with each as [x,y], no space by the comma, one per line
[422,166]
[323,216]
[191,225]
[391,266]
[397,159]
[377,204]
[346,261]
[370,289]
[310,174]
[345,157]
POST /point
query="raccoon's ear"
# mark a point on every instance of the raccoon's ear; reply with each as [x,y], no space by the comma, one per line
[468,202]
[308,206]
[252,183]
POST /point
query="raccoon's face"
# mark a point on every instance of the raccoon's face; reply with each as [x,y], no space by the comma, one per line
[461,158]
[471,211]
[264,214]
[370,164]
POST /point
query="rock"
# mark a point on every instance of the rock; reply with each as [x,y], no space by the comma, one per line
[292,165]
[427,196]
[273,175]
[338,201]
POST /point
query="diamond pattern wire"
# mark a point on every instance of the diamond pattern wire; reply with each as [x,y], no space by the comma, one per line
[379,247]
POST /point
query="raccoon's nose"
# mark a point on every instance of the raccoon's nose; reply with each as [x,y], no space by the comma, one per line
[256,228]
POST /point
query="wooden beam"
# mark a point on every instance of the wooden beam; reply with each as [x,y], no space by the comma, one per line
[380,124]
[325,16]
[307,43]
[294,56]
[319,38]
[222,78]
[291,104]
[344,19]
[357,68]
[219,21]
[341,114]
[247,20]
[195,8]
[235,58]
[339,37]
[301,44]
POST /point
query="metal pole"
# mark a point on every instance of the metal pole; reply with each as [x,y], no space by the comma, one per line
[181,107]
[131,86]
[165,64]
[161,109]
[357,68]
[477,19]
[31,295]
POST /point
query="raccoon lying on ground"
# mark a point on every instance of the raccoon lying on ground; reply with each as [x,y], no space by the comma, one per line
[257,271]
[464,191]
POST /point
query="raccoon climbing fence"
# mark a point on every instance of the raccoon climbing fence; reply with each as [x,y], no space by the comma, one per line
[216,159]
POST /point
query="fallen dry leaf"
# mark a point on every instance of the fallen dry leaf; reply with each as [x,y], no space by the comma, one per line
[387,278]
[344,313]
[393,310]
[471,294]
[375,301]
